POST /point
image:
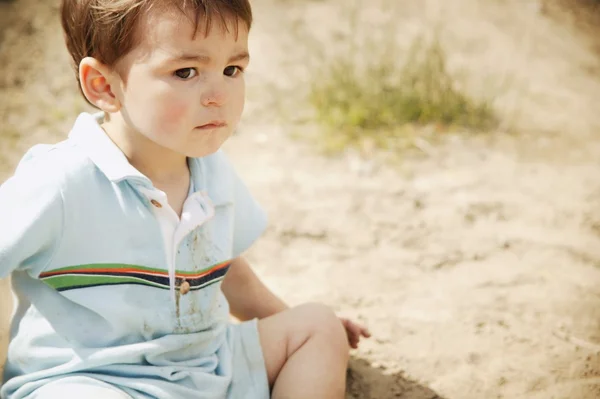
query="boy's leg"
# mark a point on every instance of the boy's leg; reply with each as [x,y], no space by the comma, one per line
[77,387]
[306,353]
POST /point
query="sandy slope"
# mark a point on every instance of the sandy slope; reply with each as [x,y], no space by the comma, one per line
[476,264]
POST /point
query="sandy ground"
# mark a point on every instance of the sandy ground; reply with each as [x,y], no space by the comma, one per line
[475,261]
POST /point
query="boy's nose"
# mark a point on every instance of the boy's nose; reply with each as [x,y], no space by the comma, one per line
[215,97]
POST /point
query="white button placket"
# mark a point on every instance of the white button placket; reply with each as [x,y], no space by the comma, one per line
[197,210]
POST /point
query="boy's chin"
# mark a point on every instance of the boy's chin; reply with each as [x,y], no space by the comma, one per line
[206,147]
[201,152]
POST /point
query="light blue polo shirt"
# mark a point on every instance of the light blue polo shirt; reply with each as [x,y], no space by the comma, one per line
[98,257]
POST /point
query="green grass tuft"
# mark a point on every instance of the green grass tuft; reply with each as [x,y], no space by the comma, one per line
[374,100]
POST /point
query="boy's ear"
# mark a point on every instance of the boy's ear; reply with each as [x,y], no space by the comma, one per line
[95,80]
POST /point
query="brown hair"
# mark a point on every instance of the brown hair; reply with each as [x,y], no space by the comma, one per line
[106,29]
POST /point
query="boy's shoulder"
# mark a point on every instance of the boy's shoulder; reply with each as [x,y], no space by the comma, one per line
[44,178]
[57,163]
[54,166]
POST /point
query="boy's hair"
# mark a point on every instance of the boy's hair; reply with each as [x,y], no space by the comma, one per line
[107,29]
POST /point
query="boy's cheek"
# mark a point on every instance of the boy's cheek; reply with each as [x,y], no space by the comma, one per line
[174,112]
[167,115]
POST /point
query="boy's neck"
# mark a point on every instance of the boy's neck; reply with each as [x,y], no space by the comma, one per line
[161,165]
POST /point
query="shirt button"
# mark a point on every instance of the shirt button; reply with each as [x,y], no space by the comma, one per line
[184,287]
[156,203]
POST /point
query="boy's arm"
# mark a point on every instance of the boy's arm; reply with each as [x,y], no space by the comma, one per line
[247,295]
[248,298]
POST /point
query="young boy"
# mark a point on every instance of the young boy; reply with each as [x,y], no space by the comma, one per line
[125,241]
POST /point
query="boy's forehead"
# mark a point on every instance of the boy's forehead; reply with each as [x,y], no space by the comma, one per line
[170,27]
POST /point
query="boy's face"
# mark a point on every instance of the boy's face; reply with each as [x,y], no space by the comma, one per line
[184,92]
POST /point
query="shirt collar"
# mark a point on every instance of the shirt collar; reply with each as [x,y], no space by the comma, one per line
[109,158]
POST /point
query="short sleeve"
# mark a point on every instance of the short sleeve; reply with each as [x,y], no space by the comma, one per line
[250,220]
[31,217]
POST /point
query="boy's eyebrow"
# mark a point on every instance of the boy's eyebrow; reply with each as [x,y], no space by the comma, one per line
[204,59]
[243,56]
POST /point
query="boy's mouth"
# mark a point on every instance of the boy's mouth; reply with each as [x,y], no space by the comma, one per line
[212,125]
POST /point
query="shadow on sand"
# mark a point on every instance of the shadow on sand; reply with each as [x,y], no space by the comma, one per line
[367,382]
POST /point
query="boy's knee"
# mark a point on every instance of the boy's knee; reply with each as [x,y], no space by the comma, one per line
[321,320]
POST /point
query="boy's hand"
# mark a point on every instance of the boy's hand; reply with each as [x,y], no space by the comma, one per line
[355,332]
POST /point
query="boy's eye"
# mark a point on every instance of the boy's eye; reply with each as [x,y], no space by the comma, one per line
[232,71]
[186,73]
